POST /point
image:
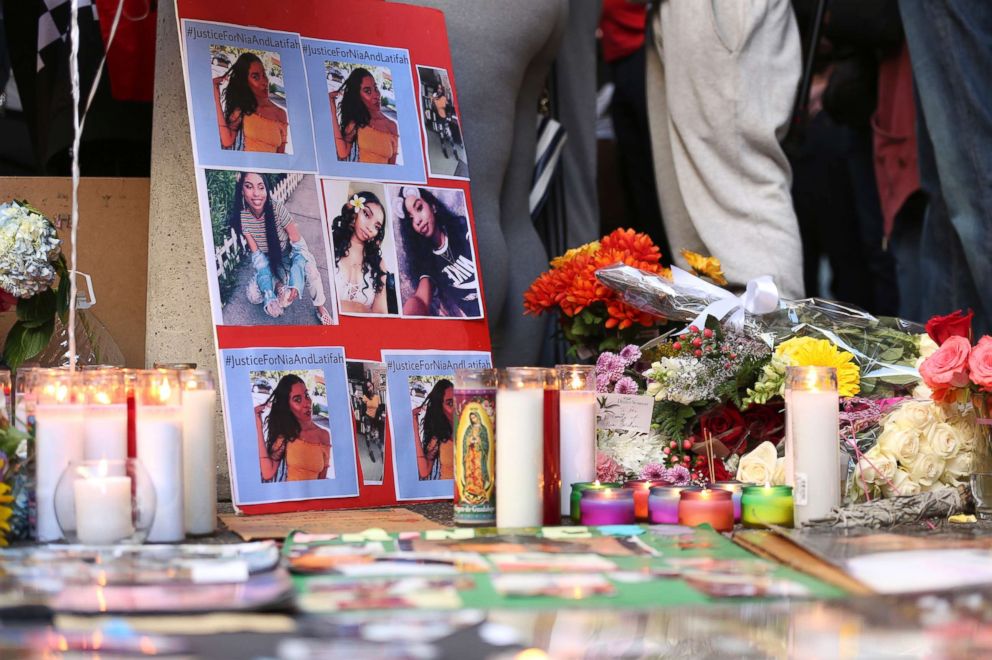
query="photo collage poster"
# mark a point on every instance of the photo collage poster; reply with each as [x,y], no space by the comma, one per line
[342,262]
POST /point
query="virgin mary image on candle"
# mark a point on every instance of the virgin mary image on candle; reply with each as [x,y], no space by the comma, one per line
[293,434]
[433,400]
[474,455]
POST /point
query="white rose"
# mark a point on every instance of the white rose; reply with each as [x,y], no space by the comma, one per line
[927,346]
[778,479]
[876,467]
[921,391]
[968,434]
[915,415]
[902,444]
[902,484]
[960,466]
[943,440]
[926,469]
[758,467]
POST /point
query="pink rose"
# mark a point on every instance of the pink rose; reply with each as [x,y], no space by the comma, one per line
[980,363]
[948,367]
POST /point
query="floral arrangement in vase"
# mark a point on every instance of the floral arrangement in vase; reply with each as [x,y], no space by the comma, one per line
[34,280]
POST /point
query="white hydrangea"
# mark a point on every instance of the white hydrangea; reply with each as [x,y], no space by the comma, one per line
[28,248]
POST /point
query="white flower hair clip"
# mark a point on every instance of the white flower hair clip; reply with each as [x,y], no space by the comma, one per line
[358,203]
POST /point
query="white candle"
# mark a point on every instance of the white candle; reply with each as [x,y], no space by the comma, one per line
[519,457]
[159,431]
[103,509]
[105,432]
[58,441]
[199,466]
[812,450]
[578,441]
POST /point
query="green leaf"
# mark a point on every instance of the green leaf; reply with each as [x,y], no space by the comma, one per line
[37,310]
[24,342]
[64,288]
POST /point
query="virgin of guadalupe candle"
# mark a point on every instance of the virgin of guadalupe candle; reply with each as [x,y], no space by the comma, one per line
[642,490]
[576,496]
[735,488]
[812,447]
[199,464]
[159,429]
[607,506]
[520,447]
[475,447]
[707,506]
[577,426]
[105,422]
[767,505]
[552,450]
[58,416]
[663,504]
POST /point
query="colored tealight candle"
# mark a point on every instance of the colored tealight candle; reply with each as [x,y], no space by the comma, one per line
[577,489]
[607,506]
[707,506]
[767,505]
[735,488]
[642,491]
[663,504]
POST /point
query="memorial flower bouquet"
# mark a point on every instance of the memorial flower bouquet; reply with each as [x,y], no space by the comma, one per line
[593,317]
[34,280]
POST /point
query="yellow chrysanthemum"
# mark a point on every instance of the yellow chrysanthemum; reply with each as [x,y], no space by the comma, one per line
[588,248]
[5,512]
[810,352]
[705,266]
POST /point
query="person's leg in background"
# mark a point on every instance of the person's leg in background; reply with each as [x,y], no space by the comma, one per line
[730,71]
[950,44]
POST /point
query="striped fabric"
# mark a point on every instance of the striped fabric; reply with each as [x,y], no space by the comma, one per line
[550,141]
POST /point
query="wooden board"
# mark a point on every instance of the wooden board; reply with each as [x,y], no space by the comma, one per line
[279,525]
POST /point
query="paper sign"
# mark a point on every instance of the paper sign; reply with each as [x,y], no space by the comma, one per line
[624,412]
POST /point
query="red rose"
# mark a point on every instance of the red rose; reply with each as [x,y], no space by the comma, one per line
[725,424]
[954,324]
[764,423]
[720,472]
[7,301]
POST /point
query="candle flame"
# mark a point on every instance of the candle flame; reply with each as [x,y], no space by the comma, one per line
[147,646]
[595,484]
[102,398]
[63,643]
[165,391]
[61,393]
[101,468]
[101,600]
[576,382]
[97,639]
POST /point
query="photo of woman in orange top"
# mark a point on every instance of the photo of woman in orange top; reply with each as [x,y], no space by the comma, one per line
[247,117]
[362,131]
[291,446]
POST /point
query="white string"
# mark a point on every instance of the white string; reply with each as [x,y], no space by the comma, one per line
[77,134]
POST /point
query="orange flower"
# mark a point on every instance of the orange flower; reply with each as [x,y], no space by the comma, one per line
[705,266]
[542,294]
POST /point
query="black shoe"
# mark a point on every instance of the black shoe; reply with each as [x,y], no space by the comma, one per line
[372,455]
[444,151]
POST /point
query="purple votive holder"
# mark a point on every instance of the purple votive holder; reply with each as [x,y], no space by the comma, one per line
[736,488]
[607,506]
[663,505]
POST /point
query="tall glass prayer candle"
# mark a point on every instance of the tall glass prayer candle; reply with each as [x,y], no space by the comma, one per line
[475,447]
[767,505]
[707,506]
[642,489]
[105,421]
[607,506]
[576,496]
[6,398]
[735,488]
[812,447]
[199,462]
[58,418]
[520,447]
[551,514]
[577,411]
[663,504]
[24,398]
[159,427]
[130,382]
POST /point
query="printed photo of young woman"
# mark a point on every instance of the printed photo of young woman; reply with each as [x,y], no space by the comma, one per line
[442,124]
[363,247]
[363,102]
[367,388]
[433,401]
[250,100]
[437,265]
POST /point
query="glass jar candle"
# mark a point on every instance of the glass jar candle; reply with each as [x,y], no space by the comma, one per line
[475,447]
[577,428]
[199,462]
[576,496]
[736,488]
[607,506]
[663,504]
[707,506]
[812,448]
[642,490]
[58,437]
[767,505]
[105,421]
[159,440]
[520,447]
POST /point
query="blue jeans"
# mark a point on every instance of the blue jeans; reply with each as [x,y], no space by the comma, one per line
[294,264]
[950,44]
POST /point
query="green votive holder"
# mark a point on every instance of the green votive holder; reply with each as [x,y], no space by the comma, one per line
[576,496]
[762,506]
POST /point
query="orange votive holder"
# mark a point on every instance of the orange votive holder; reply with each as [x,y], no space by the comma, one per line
[642,489]
[707,506]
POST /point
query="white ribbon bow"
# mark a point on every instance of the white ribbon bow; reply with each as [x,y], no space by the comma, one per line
[760,297]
